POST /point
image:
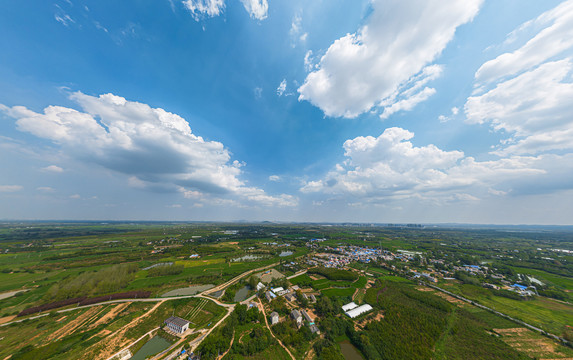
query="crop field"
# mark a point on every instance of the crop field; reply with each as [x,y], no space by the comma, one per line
[533,344]
[61,264]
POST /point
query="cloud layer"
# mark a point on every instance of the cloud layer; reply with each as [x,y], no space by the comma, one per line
[389,167]
[385,63]
[155,148]
[527,93]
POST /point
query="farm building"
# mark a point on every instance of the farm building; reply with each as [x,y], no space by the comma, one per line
[305,316]
[270,295]
[358,311]
[314,329]
[274,318]
[295,314]
[177,325]
[349,306]
[290,297]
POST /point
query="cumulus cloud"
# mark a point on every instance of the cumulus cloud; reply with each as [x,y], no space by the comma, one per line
[53,168]
[10,188]
[156,149]
[390,167]
[527,93]
[257,9]
[201,8]
[274,178]
[375,66]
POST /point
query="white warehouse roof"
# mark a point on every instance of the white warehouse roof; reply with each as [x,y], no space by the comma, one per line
[359,310]
[349,306]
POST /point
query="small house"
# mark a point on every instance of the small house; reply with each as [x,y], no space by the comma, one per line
[295,315]
[274,318]
[177,325]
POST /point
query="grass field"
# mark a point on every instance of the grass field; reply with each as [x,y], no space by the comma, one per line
[545,313]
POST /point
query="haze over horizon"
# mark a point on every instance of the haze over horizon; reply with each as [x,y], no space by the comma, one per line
[416,111]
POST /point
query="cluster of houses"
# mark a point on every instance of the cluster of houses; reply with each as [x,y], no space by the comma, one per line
[342,256]
[288,294]
[299,316]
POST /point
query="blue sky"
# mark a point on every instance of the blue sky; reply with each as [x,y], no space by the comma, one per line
[369,111]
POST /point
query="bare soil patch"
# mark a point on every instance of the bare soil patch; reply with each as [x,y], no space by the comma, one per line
[531,343]
[424,288]
[70,327]
[112,314]
[451,299]
[7,319]
[116,340]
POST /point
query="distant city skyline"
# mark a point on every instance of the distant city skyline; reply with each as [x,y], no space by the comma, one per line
[382,111]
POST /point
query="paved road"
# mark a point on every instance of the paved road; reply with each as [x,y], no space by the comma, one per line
[297,274]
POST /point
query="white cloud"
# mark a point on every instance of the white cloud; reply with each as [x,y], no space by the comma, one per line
[10,188]
[174,206]
[154,148]
[274,178]
[296,33]
[258,91]
[444,118]
[282,87]
[208,8]
[374,67]
[408,103]
[75,196]
[46,189]
[535,107]
[53,168]
[257,9]
[554,37]
[308,61]
[526,94]
[390,167]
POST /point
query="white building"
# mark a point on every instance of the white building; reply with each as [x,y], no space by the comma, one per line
[358,311]
[274,318]
[177,325]
[349,306]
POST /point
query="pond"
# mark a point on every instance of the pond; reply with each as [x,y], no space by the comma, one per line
[216,294]
[241,294]
[286,253]
[190,290]
[349,351]
[154,346]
